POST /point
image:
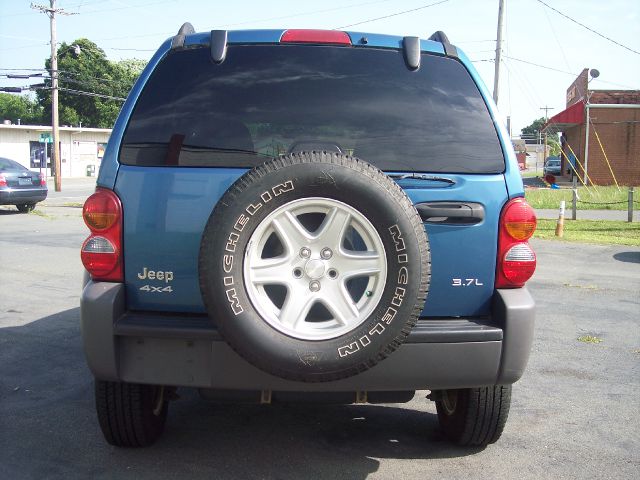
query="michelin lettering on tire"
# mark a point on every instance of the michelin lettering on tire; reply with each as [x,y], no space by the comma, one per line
[314,266]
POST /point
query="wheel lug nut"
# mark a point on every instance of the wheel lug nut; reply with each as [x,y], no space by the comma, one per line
[326,253]
[314,286]
[305,252]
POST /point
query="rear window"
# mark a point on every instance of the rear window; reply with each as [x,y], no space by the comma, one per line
[6,164]
[265,101]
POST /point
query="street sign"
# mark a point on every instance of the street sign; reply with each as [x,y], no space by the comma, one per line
[45,138]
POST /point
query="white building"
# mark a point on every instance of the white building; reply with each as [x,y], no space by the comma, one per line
[81,149]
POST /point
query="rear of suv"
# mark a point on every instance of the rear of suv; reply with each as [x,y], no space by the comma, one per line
[293,214]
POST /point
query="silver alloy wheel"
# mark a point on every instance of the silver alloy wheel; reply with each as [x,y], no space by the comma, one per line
[315,268]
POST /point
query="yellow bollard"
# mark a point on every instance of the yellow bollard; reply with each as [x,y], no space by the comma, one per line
[560,224]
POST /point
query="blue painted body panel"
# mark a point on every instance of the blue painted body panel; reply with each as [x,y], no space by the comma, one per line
[165,212]
[166,209]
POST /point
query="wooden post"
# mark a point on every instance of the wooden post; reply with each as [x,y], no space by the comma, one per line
[574,201]
[630,205]
[560,224]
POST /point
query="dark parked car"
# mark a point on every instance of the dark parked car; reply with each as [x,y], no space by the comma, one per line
[20,186]
[307,214]
[552,167]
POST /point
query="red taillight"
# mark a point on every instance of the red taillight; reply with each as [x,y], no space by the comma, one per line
[516,259]
[102,252]
[43,181]
[332,37]
[3,180]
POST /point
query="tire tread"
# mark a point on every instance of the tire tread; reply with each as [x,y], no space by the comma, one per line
[480,416]
[125,416]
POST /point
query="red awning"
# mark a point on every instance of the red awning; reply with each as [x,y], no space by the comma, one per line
[570,117]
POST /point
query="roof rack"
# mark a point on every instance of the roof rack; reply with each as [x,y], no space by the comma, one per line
[441,37]
[178,40]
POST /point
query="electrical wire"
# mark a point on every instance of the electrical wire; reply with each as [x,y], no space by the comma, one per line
[391,15]
[90,94]
[555,36]
[79,92]
[588,28]
[303,14]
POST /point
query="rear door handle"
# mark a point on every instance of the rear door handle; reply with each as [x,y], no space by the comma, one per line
[453,213]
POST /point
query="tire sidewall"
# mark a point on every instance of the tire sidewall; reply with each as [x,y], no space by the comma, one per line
[229,230]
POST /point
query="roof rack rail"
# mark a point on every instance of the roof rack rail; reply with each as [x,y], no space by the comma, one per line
[449,50]
[178,40]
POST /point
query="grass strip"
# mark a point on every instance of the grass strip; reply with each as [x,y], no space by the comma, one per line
[598,198]
[601,232]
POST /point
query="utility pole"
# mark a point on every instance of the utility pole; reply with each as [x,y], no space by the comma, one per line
[496,76]
[546,112]
[546,119]
[55,133]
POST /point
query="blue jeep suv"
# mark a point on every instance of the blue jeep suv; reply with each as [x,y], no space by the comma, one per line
[295,214]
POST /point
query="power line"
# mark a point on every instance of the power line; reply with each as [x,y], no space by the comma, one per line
[305,13]
[565,72]
[555,36]
[538,65]
[392,15]
[90,94]
[132,49]
[74,92]
[588,28]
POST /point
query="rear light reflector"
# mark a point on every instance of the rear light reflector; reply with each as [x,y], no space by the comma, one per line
[101,253]
[516,261]
[331,37]
[43,181]
[519,263]
[3,180]
[99,256]
[98,245]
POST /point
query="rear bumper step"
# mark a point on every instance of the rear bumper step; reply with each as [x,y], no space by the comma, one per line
[187,350]
[199,327]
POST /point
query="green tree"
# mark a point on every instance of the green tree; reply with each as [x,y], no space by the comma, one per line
[534,129]
[20,107]
[91,87]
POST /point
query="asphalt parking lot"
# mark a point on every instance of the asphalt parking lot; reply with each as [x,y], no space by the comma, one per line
[575,413]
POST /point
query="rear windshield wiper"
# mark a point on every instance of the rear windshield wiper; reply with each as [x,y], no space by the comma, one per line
[421,176]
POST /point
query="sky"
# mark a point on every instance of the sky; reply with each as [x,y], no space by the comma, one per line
[542,53]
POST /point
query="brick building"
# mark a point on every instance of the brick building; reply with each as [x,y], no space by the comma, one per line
[596,126]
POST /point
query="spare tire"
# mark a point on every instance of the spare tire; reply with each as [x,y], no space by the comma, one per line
[314,266]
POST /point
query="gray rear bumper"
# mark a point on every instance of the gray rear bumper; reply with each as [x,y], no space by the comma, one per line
[184,350]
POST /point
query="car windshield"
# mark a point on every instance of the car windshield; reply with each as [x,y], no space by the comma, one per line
[265,101]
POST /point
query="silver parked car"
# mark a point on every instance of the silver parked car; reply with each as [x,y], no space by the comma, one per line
[20,186]
[552,166]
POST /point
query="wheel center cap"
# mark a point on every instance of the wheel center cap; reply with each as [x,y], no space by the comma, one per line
[314,269]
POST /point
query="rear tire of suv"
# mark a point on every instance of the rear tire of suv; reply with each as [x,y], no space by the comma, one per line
[25,207]
[131,415]
[474,416]
[314,266]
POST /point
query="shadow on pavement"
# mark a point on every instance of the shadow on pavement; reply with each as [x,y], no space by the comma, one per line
[48,426]
[6,211]
[628,257]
